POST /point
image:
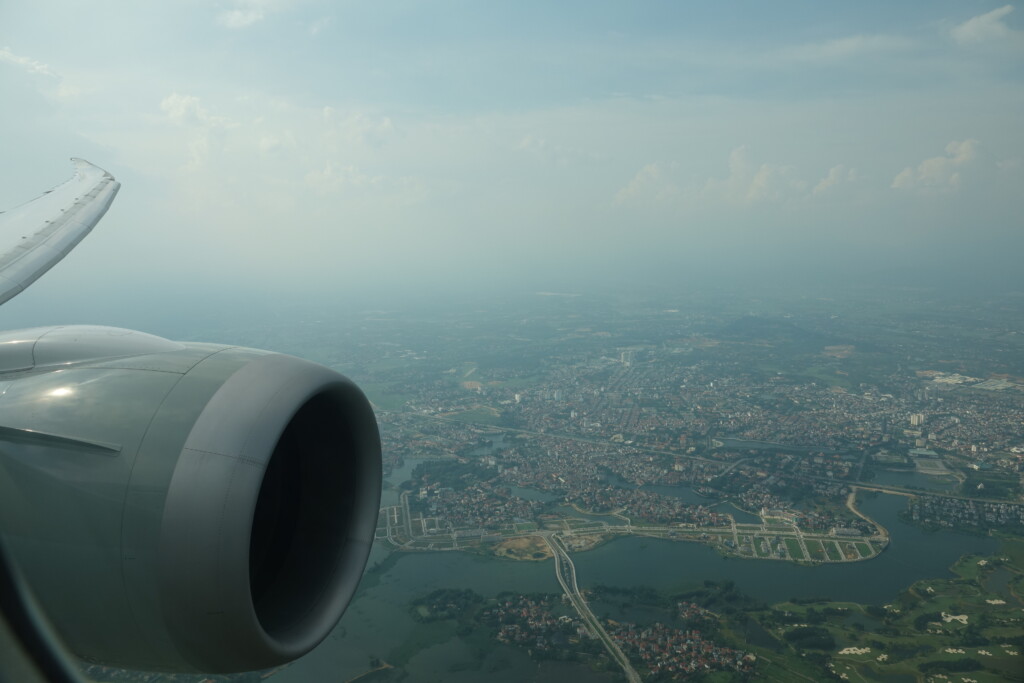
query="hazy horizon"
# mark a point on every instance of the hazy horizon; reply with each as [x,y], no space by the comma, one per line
[284,148]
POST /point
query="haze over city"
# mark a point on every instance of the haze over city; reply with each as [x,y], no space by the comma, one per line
[692,332]
[276,146]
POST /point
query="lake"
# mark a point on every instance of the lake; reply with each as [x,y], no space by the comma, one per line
[913,479]
[378,622]
[912,554]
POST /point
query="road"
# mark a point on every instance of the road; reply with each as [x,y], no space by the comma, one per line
[396,524]
[565,571]
[851,503]
[405,513]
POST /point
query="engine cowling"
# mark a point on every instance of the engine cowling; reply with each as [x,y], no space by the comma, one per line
[183,506]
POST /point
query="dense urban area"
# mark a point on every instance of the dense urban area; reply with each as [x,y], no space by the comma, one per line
[543,428]
[753,430]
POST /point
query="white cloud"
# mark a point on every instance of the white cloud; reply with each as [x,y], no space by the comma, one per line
[53,85]
[533,157]
[318,25]
[748,184]
[332,177]
[182,108]
[27,63]
[247,12]
[205,131]
[985,28]
[836,176]
[263,155]
[938,173]
[269,144]
[846,48]
[356,128]
[187,110]
[560,155]
[652,184]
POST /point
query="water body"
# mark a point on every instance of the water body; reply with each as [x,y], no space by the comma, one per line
[572,512]
[683,493]
[914,480]
[741,516]
[378,622]
[912,554]
[688,495]
[527,493]
[390,492]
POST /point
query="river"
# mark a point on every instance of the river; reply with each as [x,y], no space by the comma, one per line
[378,622]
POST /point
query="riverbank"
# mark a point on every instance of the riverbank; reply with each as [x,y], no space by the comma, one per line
[379,623]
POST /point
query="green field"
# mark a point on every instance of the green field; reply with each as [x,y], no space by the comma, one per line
[995,484]
[762,547]
[814,548]
[1011,547]
[832,550]
[795,551]
[911,633]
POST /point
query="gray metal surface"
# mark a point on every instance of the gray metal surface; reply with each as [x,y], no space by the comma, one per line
[39,347]
[129,486]
[36,235]
[174,506]
[208,516]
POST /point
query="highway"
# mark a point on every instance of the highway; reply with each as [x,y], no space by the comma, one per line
[565,571]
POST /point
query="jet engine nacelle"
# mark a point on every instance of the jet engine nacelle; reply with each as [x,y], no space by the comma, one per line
[183,506]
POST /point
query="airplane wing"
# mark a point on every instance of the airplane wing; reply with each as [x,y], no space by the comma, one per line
[172,506]
[39,233]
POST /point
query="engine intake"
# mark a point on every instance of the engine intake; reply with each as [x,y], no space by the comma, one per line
[200,508]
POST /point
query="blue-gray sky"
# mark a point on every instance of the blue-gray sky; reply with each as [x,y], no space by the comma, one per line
[299,144]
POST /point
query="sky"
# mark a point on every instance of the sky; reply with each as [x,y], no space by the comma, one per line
[279,147]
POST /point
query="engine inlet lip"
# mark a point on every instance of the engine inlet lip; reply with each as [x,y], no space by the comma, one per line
[209,516]
[309,497]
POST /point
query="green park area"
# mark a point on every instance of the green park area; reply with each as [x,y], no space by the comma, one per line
[816,551]
[795,551]
[967,627]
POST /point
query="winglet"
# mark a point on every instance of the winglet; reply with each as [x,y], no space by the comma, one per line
[38,234]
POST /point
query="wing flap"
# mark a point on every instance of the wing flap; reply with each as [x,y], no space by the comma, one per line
[38,234]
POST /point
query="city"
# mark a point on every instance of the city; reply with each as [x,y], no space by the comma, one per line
[759,442]
[560,455]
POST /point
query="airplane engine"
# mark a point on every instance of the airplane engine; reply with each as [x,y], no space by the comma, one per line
[181,506]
